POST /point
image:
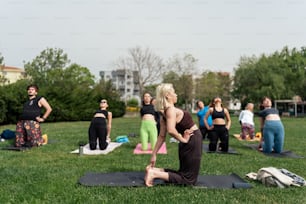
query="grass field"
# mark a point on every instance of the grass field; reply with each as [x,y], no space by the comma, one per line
[50,174]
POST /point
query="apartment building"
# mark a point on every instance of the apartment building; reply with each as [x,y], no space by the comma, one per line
[11,74]
[125,81]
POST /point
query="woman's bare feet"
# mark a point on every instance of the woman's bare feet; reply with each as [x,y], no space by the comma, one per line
[149,176]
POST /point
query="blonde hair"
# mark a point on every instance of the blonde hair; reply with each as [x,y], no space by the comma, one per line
[249,106]
[161,96]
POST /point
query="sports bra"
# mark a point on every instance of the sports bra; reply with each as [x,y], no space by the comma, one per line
[264,113]
[147,109]
[216,114]
[104,112]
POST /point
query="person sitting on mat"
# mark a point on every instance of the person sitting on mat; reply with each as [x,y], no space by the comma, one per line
[221,125]
[272,128]
[148,128]
[100,127]
[246,120]
[179,124]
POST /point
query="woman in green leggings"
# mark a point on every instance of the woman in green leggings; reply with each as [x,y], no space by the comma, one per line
[148,129]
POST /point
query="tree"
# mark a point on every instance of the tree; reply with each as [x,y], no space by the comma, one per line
[49,59]
[3,80]
[148,66]
[151,89]
[104,89]
[70,90]
[11,101]
[280,75]
[212,84]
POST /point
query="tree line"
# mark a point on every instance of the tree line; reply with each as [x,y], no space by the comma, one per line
[280,75]
[69,88]
[74,94]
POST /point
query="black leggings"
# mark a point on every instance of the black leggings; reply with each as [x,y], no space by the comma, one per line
[219,132]
[97,130]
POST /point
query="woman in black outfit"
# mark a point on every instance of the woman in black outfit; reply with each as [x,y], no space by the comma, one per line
[221,125]
[100,127]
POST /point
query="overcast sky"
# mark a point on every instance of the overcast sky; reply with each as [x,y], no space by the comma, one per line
[95,33]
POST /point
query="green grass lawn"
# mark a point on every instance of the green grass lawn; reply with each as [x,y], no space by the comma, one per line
[50,174]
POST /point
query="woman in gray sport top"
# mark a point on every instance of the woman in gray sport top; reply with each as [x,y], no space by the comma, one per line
[272,128]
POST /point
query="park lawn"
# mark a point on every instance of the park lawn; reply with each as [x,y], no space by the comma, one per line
[50,174]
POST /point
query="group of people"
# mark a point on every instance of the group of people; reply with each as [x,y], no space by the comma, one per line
[271,127]
[158,117]
[28,131]
[215,122]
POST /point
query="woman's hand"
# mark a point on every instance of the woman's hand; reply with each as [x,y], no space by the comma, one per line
[187,134]
[210,127]
[153,160]
[39,119]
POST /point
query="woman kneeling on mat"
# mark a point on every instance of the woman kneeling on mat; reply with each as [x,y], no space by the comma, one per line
[179,124]
[148,128]
[272,128]
[100,127]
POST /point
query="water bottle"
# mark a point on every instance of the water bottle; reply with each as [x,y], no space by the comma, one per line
[81,149]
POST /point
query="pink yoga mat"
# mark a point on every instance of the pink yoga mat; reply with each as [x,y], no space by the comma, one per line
[138,150]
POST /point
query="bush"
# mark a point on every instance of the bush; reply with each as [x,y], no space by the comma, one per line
[132,102]
[117,108]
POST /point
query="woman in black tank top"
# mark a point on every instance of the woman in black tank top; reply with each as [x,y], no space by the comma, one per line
[221,125]
[100,127]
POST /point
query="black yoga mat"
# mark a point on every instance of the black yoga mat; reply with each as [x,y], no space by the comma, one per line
[136,179]
[15,148]
[230,150]
[24,148]
[285,153]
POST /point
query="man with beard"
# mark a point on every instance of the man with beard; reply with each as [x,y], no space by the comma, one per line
[28,132]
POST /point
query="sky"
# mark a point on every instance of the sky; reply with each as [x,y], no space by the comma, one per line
[96,33]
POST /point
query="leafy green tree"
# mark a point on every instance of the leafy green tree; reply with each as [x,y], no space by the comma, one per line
[212,84]
[133,102]
[280,75]
[104,89]
[11,101]
[49,59]
[70,90]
